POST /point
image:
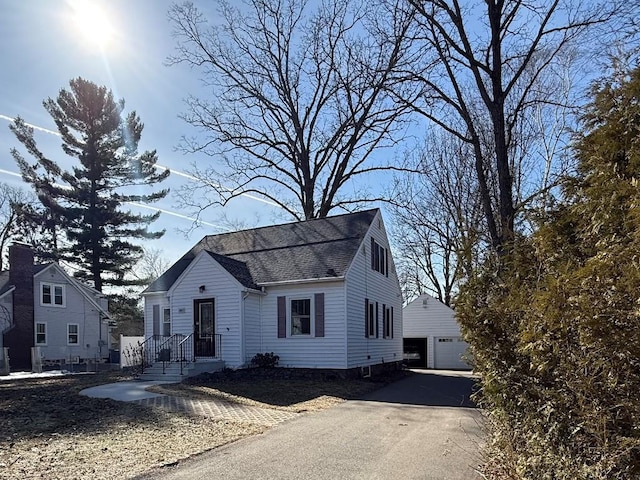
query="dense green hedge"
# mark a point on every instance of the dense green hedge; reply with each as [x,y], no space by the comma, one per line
[554,325]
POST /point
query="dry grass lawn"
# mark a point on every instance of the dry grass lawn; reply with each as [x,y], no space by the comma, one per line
[49,431]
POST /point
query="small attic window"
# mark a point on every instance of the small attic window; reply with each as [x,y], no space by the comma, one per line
[379,224]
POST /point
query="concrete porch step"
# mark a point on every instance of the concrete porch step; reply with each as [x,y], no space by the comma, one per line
[172,370]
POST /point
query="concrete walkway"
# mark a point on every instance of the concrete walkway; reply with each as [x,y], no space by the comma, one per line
[123,391]
[421,427]
[218,409]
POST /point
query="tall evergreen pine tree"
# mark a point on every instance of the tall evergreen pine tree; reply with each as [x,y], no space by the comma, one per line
[87,201]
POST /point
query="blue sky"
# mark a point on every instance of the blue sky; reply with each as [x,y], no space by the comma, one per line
[42,48]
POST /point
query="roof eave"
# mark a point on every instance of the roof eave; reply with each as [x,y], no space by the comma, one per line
[156,292]
[300,281]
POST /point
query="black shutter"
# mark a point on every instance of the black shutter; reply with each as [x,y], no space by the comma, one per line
[319,314]
[377,322]
[373,257]
[282,317]
[391,322]
[366,317]
[156,320]
[386,262]
[385,321]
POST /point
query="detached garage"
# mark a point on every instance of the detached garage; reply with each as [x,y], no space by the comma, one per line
[431,336]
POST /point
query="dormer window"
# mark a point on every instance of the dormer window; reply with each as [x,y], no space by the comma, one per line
[52,295]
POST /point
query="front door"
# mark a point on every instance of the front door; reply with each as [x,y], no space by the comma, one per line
[204,328]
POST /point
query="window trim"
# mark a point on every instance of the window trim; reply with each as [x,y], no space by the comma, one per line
[52,295]
[312,321]
[38,344]
[77,334]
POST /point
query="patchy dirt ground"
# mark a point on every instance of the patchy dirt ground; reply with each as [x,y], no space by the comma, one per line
[49,431]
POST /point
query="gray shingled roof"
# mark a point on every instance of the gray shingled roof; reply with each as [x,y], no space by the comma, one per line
[306,250]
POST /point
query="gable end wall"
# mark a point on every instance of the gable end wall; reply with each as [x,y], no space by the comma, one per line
[364,282]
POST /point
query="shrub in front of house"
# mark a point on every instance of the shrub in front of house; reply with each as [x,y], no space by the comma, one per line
[265,360]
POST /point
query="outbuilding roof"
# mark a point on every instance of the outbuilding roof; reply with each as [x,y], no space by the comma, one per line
[307,250]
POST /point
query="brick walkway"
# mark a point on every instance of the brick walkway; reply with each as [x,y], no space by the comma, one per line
[219,409]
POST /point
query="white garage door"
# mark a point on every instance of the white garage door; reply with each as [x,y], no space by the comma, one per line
[448,353]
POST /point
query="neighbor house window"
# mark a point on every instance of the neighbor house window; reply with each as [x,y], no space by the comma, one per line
[72,333]
[166,322]
[52,294]
[379,258]
[41,333]
[301,316]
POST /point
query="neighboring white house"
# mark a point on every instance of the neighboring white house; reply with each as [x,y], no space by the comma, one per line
[321,293]
[431,335]
[42,306]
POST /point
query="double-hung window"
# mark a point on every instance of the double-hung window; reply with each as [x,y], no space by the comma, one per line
[73,337]
[379,258]
[301,316]
[52,294]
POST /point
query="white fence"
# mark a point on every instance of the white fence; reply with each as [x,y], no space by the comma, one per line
[128,347]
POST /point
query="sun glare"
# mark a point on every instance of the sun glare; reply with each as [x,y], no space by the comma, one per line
[92,23]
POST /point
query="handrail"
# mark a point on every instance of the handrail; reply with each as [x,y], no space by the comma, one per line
[177,348]
[147,349]
[186,351]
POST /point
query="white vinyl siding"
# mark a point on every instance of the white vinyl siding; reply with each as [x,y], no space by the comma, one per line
[365,283]
[307,351]
[252,326]
[227,294]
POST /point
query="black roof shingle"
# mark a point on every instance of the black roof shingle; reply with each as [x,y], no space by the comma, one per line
[311,249]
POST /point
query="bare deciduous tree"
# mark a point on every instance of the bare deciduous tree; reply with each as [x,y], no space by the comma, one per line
[438,220]
[300,99]
[10,198]
[483,65]
[151,265]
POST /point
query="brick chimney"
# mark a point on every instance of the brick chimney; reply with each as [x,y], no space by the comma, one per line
[21,337]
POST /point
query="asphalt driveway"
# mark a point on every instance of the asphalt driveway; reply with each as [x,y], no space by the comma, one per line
[422,427]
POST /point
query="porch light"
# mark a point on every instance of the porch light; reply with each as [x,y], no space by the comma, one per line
[202,288]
